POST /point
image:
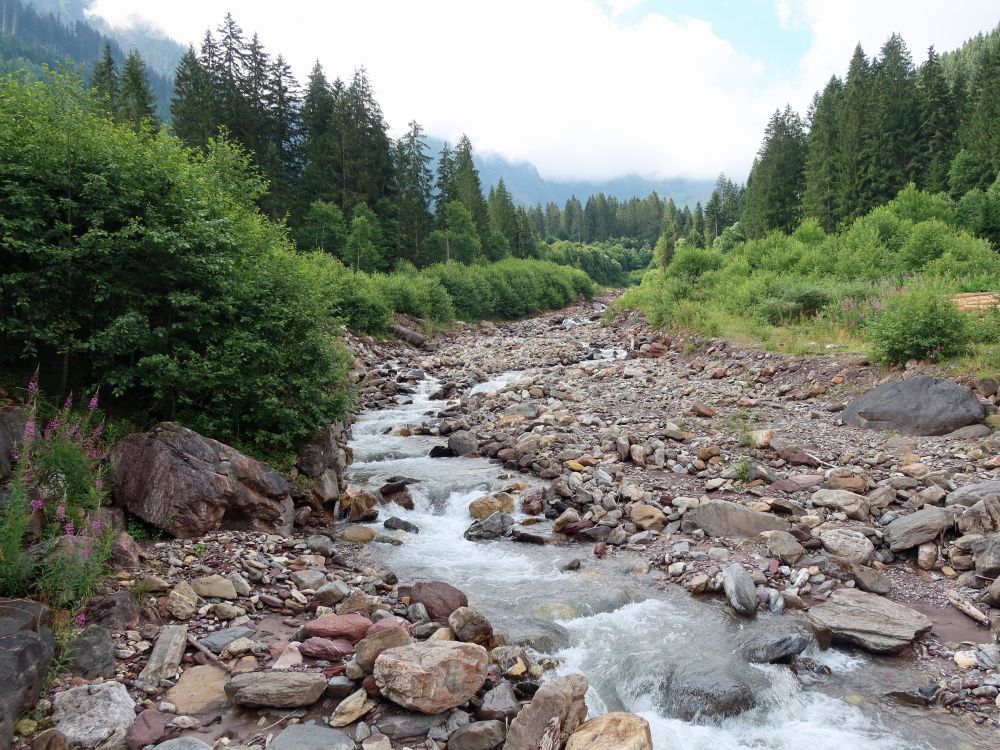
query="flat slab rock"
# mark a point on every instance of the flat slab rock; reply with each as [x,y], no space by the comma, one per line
[311,737]
[920,405]
[870,621]
[722,518]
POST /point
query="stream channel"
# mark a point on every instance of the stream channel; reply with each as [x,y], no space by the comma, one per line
[617,628]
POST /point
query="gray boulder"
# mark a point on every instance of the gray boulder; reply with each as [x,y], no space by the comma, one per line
[740,590]
[462,442]
[780,644]
[493,526]
[93,653]
[311,737]
[26,650]
[722,518]
[96,717]
[701,687]
[920,405]
[11,432]
[971,494]
[870,621]
[915,529]
[987,554]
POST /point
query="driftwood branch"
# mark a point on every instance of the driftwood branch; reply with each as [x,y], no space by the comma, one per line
[967,608]
[208,654]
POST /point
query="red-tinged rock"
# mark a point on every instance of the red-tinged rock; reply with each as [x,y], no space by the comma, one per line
[387,623]
[276,647]
[702,410]
[432,676]
[572,529]
[600,549]
[440,598]
[331,649]
[370,686]
[274,602]
[147,729]
[351,627]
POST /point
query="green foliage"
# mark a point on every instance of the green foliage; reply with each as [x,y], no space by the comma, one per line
[692,262]
[919,323]
[323,228]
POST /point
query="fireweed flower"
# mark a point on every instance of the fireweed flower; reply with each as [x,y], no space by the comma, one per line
[99,485]
[30,431]
[69,528]
[69,402]
[37,505]
[96,525]
[80,620]
[92,405]
[60,512]
[33,383]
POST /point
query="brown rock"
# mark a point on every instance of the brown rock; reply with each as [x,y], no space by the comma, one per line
[351,627]
[561,698]
[276,689]
[147,729]
[613,731]
[199,690]
[332,649]
[440,598]
[470,626]
[432,676]
[371,646]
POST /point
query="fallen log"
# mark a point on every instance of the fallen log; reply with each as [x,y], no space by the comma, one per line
[967,608]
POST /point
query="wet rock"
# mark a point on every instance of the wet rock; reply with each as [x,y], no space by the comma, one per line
[92,654]
[217,641]
[500,703]
[848,545]
[440,598]
[872,622]
[920,405]
[492,527]
[479,735]
[371,646]
[357,534]
[432,676]
[709,688]
[463,442]
[483,507]
[311,737]
[612,731]
[398,524]
[187,484]
[357,505]
[560,698]
[352,627]
[96,717]
[722,518]
[915,529]
[276,689]
[740,590]
[199,690]
[772,647]
[470,626]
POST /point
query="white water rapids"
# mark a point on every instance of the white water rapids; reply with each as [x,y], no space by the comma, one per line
[616,628]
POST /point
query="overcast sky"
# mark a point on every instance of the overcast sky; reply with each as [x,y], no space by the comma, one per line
[584,89]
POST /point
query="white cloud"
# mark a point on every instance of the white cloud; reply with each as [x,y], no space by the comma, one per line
[560,83]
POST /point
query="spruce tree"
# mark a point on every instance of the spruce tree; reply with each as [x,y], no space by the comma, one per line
[444,185]
[468,187]
[414,184]
[502,212]
[981,136]
[937,133]
[776,182]
[895,115]
[855,191]
[104,80]
[136,103]
[819,198]
[192,105]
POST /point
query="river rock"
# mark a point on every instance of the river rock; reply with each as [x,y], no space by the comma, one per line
[331,649]
[440,598]
[470,626]
[432,676]
[870,621]
[394,523]
[95,717]
[706,687]
[479,735]
[462,442]
[352,627]
[561,698]
[987,556]
[276,689]
[780,644]
[308,579]
[182,602]
[784,546]
[613,731]
[848,545]
[322,545]
[92,654]
[217,641]
[971,494]
[311,737]
[500,703]
[357,505]
[915,529]
[981,518]
[331,592]
[722,518]
[854,506]
[399,726]
[26,650]
[11,431]
[352,708]
[500,502]
[165,658]
[369,647]
[492,527]
[920,405]
[740,590]
[357,534]
[200,689]
[187,484]
[214,586]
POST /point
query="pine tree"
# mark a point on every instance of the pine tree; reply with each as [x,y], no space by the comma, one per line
[573,219]
[414,190]
[104,80]
[937,133]
[553,221]
[281,136]
[192,106]
[317,180]
[981,136]
[776,182]
[819,198]
[855,192]
[136,103]
[502,212]
[468,187]
[895,117]
[444,185]
[362,248]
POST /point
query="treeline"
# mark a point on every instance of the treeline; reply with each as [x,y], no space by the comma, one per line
[31,40]
[886,124]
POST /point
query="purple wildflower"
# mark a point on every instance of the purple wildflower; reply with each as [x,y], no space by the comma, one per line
[99,484]
[96,525]
[69,528]
[81,620]
[30,431]
[37,505]
[92,405]
[69,401]
[33,384]
[60,512]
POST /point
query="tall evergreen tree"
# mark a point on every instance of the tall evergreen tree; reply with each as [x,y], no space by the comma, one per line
[414,188]
[776,182]
[937,132]
[444,185]
[468,187]
[104,80]
[136,104]
[819,198]
[502,212]
[895,115]
[981,135]
[192,105]
[856,192]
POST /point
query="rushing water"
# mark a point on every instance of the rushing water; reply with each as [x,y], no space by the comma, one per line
[614,627]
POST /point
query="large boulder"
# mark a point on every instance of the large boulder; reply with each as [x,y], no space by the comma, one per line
[870,621]
[740,589]
[95,717]
[971,494]
[710,687]
[614,731]
[850,504]
[849,545]
[276,689]
[311,737]
[560,698]
[462,442]
[26,650]
[440,598]
[981,518]
[915,529]
[920,405]
[324,459]
[987,555]
[432,676]
[781,642]
[188,485]
[722,518]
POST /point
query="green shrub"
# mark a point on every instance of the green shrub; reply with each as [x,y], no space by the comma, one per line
[691,262]
[919,323]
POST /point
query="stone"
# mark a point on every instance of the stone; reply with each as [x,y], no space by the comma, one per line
[331,649]
[12,423]
[276,689]
[500,703]
[217,641]
[352,627]
[706,687]
[199,689]
[308,579]
[440,598]
[331,593]
[971,494]
[561,698]
[612,731]
[187,484]
[870,621]
[500,502]
[915,529]
[371,646]
[321,545]
[352,708]
[987,556]
[432,676]
[740,590]
[27,647]
[147,729]
[470,626]
[126,553]
[214,586]
[921,405]
[182,602]
[848,545]
[927,554]
[311,737]
[394,523]
[647,517]
[463,442]
[780,645]
[723,518]
[165,658]
[357,534]
[492,527]
[981,518]
[290,657]
[92,654]
[183,743]
[784,546]
[399,726]
[119,611]
[357,505]
[96,717]
[479,735]
[853,505]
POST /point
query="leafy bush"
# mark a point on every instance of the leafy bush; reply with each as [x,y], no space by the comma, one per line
[919,323]
[691,262]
